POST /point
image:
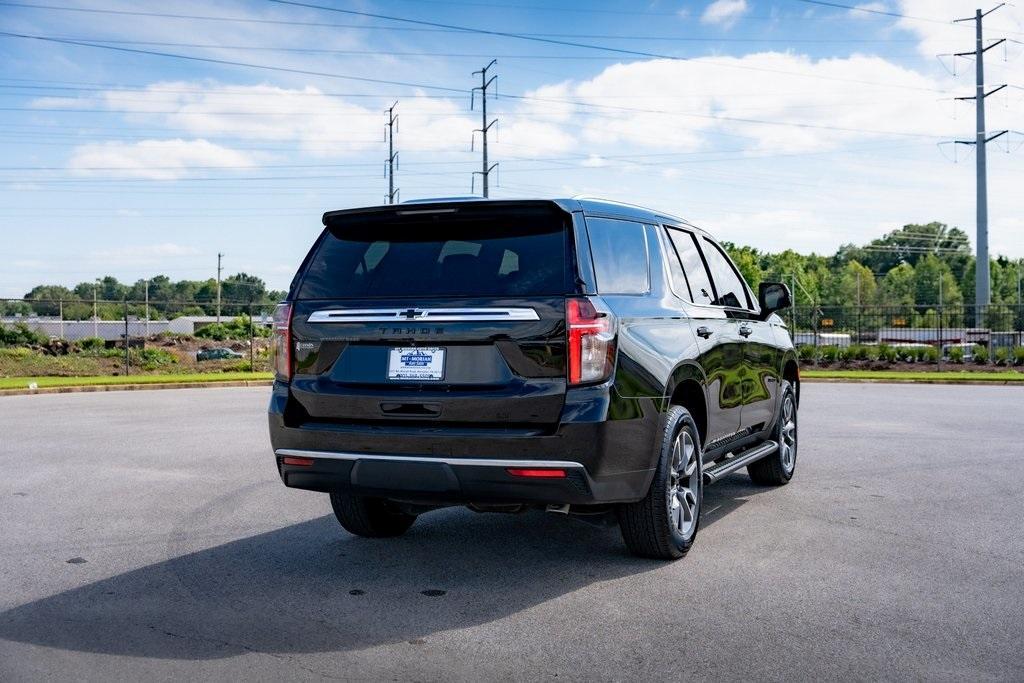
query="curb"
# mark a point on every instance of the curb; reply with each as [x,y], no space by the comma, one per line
[137,387]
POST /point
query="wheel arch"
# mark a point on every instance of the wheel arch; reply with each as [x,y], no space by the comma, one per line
[791,373]
[686,389]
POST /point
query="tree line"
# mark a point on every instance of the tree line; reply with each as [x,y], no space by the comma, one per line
[167,298]
[918,266]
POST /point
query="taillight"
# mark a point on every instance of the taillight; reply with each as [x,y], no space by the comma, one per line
[281,346]
[591,341]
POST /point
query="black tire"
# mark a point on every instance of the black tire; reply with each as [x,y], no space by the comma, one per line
[658,526]
[778,468]
[370,517]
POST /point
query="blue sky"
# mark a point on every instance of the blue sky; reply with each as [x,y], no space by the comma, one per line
[776,123]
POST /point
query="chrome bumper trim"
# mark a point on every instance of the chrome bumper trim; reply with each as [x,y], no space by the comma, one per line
[428,315]
[469,462]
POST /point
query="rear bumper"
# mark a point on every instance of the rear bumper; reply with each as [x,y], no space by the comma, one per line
[605,460]
[438,480]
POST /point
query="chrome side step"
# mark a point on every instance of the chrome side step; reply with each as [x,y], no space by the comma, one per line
[734,462]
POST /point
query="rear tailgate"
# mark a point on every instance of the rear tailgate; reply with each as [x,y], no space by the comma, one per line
[436,316]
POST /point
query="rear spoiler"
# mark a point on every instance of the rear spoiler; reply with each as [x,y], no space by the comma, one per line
[429,211]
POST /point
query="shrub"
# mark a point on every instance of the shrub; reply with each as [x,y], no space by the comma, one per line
[887,353]
[91,344]
[931,354]
[1018,355]
[956,355]
[16,352]
[1001,356]
[151,359]
[980,354]
[238,328]
[829,354]
[21,335]
[805,353]
[858,352]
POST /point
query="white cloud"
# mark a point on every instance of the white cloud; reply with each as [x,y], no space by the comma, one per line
[154,159]
[316,123]
[778,101]
[724,13]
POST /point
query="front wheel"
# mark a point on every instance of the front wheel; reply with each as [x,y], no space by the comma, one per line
[778,468]
[664,524]
[370,517]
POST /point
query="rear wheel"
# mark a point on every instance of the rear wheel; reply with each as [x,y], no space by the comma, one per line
[370,517]
[664,524]
[778,468]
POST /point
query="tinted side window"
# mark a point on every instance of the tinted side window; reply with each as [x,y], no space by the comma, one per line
[619,250]
[693,266]
[728,284]
[679,284]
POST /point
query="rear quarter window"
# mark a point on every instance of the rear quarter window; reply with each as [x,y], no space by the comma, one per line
[619,251]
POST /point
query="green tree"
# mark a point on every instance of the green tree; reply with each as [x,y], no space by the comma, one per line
[935,284]
[853,284]
[46,298]
[898,287]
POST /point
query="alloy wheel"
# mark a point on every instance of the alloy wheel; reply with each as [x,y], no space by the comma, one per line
[684,486]
[787,444]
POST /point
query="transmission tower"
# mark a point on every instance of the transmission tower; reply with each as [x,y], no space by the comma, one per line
[485,169]
[389,133]
[982,277]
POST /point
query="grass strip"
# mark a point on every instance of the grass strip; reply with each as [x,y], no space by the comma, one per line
[951,376]
[43,382]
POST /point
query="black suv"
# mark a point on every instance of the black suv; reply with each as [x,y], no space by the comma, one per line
[580,356]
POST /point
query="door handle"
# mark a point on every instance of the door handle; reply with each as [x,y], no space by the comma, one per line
[746,331]
[703,331]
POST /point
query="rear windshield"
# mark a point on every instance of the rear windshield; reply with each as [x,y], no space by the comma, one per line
[495,257]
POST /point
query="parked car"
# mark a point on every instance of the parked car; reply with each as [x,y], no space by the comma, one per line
[219,353]
[578,356]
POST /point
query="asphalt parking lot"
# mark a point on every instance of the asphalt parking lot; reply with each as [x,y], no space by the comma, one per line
[146,535]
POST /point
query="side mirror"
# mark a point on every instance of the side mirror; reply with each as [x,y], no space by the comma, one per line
[773,296]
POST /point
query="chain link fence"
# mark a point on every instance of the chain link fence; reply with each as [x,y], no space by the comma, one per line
[977,335]
[110,338]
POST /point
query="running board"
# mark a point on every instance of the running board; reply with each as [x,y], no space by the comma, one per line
[734,462]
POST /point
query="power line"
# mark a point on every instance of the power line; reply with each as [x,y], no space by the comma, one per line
[227,62]
[867,9]
[646,38]
[521,97]
[565,43]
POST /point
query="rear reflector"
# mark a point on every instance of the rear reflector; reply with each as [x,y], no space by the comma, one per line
[536,473]
[301,462]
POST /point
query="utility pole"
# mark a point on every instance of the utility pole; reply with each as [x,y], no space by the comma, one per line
[219,257]
[392,154]
[95,315]
[147,308]
[982,277]
[485,170]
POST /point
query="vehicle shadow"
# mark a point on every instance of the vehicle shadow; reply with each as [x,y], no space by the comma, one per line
[728,495]
[311,587]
